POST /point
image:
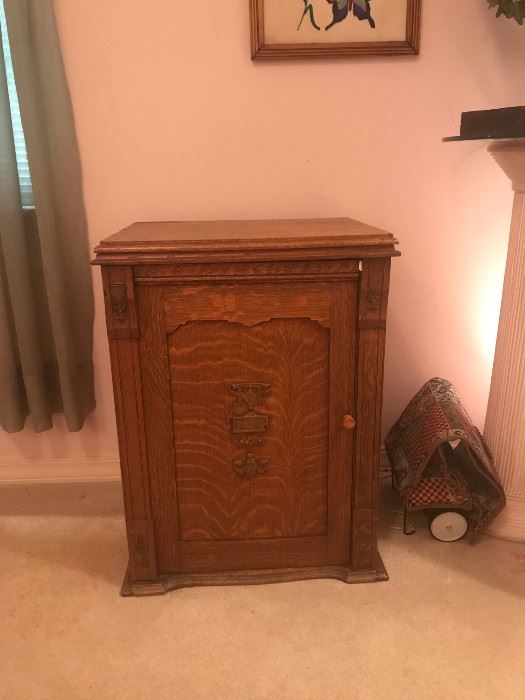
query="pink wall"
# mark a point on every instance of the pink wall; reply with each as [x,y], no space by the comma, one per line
[175,121]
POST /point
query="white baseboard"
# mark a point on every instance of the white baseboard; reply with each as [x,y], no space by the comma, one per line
[56,471]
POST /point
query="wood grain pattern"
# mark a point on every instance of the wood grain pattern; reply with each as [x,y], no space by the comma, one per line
[189,318]
[165,243]
[158,426]
[171,582]
[235,555]
[206,358]
[249,304]
[372,310]
[342,401]
[246,271]
[130,425]
[237,235]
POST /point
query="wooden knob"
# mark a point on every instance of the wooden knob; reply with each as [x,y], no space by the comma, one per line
[348,422]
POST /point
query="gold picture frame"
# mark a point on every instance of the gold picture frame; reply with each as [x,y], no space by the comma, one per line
[302,29]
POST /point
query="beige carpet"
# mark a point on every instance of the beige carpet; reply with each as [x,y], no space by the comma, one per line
[449,624]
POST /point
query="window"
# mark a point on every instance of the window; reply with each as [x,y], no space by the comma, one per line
[24,176]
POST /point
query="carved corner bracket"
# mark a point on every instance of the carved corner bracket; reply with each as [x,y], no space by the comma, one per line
[119,300]
[374,291]
[121,313]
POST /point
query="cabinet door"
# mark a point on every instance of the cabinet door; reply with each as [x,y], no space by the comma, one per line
[245,389]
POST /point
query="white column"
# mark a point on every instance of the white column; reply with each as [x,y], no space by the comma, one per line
[505,424]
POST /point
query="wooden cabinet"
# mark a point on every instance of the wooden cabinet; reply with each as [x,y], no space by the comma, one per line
[247,361]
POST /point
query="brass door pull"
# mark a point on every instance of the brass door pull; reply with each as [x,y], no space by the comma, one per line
[348,422]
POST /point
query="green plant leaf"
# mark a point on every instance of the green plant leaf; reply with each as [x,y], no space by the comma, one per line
[513,9]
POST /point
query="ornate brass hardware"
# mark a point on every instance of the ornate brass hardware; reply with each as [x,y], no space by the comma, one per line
[246,424]
[252,393]
[250,466]
[349,422]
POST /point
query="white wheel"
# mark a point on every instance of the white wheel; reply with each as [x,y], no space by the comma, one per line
[448,526]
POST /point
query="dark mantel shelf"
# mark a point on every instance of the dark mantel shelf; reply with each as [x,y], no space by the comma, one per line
[505,123]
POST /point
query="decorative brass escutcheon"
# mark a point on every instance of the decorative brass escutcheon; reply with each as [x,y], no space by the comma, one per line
[349,422]
[250,466]
[246,424]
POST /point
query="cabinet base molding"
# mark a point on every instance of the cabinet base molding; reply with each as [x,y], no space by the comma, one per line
[171,582]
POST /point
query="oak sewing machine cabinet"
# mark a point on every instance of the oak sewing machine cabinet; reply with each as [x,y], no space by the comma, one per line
[247,363]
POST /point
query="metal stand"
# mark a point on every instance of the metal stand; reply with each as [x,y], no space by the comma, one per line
[405,521]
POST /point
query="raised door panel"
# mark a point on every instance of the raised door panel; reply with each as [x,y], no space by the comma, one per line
[250,411]
[251,468]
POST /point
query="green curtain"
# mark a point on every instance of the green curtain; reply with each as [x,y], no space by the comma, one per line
[46,298]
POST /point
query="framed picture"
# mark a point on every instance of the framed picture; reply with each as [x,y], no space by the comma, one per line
[288,29]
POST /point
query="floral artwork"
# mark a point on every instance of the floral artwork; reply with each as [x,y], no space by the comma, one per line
[302,29]
[341,9]
[309,10]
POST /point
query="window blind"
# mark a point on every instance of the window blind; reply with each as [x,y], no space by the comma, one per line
[24,176]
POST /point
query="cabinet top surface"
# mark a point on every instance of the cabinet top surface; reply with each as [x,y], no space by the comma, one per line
[221,237]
